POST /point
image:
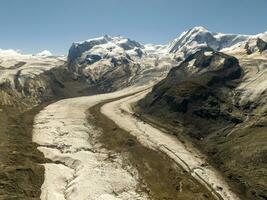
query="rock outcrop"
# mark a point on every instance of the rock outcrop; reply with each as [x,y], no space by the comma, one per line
[198,89]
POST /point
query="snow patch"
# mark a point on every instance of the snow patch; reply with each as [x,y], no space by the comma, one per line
[44,53]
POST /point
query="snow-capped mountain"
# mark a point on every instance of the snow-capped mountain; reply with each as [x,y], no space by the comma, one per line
[200,38]
[197,38]
[118,61]
[104,47]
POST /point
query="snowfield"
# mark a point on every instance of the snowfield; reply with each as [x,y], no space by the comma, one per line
[14,64]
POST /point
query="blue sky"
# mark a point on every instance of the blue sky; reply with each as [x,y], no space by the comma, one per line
[35,25]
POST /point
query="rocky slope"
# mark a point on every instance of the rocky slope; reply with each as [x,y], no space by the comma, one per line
[26,80]
[204,77]
[219,102]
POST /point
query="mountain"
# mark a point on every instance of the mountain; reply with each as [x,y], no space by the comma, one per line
[200,38]
[117,62]
[217,99]
[102,46]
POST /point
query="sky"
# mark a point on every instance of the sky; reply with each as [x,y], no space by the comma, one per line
[34,25]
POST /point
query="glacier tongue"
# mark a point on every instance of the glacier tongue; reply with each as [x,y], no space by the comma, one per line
[81,168]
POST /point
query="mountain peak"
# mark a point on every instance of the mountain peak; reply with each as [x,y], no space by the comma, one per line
[199,37]
[199,29]
[103,45]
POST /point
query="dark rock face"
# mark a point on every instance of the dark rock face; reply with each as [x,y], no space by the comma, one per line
[92,58]
[197,90]
[139,52]
[130,44]
[262,45]
[76,50]
[257,45]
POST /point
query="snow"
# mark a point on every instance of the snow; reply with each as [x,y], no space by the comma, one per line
[98,38]
[11,54]
[107,46]
[45,53]
[12,63]
[152,61]
[57,173]
[101,39]
[155,50]
[117,40]
[208,53]
[196,38]
[254,82]
[145,62]
[109,50]
[156,56]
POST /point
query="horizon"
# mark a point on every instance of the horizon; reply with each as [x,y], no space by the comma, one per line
[35,26]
